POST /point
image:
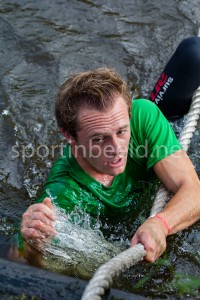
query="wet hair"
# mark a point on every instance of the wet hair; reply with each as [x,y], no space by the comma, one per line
[95,88]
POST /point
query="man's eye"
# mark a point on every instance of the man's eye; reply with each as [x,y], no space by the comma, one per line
[120,132]
[97,140]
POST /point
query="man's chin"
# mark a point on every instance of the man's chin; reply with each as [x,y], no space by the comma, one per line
[117,171]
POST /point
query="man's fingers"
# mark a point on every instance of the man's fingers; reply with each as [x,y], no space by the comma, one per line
[42,227]
[48,203]
[37,215]
[29,233]
[37,229]
[134,241]
[35,237]
[151,255]
[154,250]
[40,207]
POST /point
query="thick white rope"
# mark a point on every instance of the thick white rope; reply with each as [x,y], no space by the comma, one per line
[102,279]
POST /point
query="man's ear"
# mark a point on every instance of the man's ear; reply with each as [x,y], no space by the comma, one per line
[70,139]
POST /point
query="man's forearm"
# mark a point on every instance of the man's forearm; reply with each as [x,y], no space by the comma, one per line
[181,211]
[184,208]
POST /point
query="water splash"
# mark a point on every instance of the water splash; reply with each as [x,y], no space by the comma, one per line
[79,244]
[5,112]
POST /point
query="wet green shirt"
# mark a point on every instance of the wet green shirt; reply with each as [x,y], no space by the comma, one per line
[152,139]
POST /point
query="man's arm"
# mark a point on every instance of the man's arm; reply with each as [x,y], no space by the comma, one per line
[178,175]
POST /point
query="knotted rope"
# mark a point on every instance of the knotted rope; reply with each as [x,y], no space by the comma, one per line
[103,277]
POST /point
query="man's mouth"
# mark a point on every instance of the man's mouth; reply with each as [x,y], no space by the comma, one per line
[115,162]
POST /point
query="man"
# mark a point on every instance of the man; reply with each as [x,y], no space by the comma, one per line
[112,143]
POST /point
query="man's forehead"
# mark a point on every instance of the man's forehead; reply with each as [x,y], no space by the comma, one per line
[94,124]
[115,115]
[106,131]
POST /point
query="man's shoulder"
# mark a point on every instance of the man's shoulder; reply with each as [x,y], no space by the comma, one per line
[144,112]
[143,105]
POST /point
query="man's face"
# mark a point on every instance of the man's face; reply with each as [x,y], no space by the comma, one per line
[102,142]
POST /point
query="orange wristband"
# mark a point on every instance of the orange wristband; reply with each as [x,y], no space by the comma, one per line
[164,222]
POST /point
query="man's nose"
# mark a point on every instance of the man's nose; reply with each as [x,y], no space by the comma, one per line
[116,145]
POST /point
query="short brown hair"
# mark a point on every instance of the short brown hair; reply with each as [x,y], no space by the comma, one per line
[95,88]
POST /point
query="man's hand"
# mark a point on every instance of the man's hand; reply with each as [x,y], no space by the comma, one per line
[37,222]
[152,235]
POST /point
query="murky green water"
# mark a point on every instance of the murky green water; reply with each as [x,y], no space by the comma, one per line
[41,43]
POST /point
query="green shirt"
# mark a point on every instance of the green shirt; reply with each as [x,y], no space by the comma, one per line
[152,139]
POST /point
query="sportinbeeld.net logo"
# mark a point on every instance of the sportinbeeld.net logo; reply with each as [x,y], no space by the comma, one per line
[144,151]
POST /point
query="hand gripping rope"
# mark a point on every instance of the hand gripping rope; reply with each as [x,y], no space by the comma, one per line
[103,277]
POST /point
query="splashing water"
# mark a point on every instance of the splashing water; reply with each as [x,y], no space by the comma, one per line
[79,245]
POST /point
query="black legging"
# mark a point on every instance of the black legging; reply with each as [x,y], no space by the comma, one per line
[181,77]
